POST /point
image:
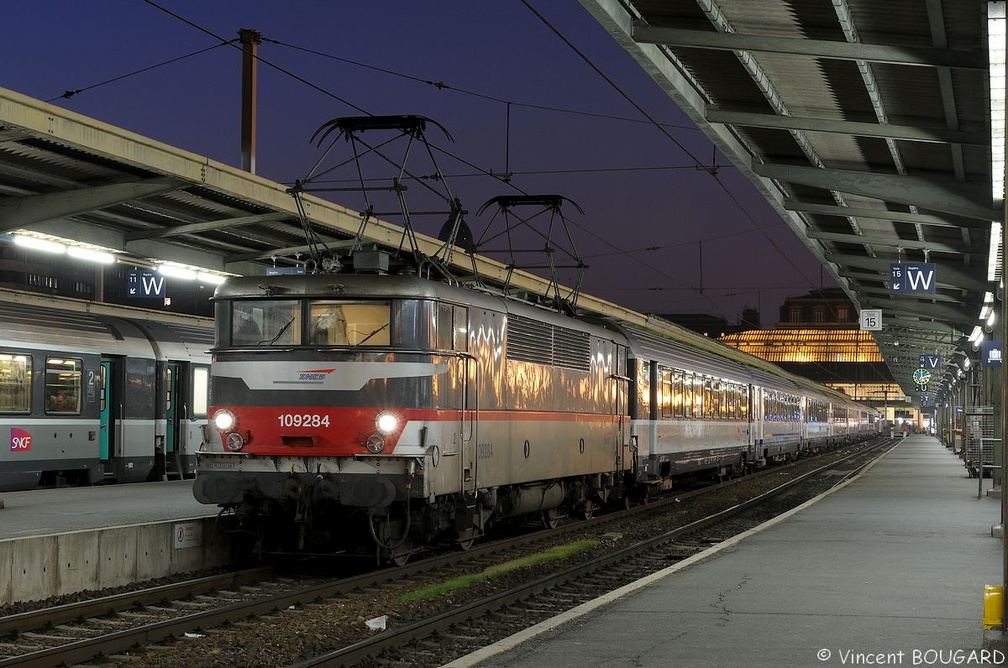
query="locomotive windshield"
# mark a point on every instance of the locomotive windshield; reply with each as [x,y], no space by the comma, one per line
[265,322]
[334,323]
[279,322]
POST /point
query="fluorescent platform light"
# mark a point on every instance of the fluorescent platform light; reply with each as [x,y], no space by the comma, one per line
[35,243]
[216,279]
[90,255]
[174,271]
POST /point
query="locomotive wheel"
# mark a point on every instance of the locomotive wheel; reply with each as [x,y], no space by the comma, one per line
[465,539]
[551,518]
[588,509]
[401,554]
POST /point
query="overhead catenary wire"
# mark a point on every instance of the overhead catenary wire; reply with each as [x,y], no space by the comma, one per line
[502,178]
[67,94]
[260,59]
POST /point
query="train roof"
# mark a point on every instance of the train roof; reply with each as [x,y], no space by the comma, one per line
[650,338]
[388,286]
[32,326]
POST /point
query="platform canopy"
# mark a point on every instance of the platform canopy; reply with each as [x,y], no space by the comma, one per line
[867,126]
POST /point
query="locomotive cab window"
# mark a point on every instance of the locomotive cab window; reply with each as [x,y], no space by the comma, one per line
[333,323]
[63,386]
[264,323]
[15,383]
[452,327]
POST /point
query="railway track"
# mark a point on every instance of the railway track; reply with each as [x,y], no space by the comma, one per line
[458,632]
[112,627]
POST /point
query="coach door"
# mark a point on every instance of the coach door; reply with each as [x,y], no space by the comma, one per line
[171,412]
[186,396]
[109,412]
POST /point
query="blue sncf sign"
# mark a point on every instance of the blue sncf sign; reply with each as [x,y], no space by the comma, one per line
[912,277]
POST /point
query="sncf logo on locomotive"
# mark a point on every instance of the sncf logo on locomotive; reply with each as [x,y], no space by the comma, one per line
[314,375]
[20,440]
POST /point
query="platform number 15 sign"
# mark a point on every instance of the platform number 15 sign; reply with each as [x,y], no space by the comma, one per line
[871,319]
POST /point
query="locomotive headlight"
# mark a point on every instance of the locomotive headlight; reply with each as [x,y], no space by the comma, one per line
[387,422]
[224,420]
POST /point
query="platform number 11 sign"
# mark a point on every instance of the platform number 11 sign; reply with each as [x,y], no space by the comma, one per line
[871,319]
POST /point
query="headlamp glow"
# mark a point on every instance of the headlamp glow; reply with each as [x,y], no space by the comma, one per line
[387,422]
[224,420]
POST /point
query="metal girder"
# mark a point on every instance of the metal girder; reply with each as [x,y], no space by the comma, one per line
[939,311]
[902,334]
[935,326]
[792,204]
[145,248]
[290,250]
[945,195]
[12,135]
[858,51]
[895,242]
[27,211]
[881,130]
[937,296]
[947,275]
[195,228]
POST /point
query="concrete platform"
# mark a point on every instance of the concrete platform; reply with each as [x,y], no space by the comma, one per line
[62,541]
[888,570]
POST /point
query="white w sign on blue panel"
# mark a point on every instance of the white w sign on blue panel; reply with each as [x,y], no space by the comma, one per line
[912,277]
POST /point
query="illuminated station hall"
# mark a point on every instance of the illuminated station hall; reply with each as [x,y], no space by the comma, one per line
[818,337]
[362,416]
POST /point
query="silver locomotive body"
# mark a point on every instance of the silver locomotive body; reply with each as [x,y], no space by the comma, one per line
[427,409]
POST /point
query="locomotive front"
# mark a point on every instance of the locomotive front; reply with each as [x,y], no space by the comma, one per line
[330,398]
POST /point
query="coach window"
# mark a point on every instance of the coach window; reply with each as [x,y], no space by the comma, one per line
[15,383]
[666,392]
[201,391]
[698,397]
[678,395]
[63,385]
[349,324]
[710,405]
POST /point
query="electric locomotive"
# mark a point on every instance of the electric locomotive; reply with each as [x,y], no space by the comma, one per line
[406,410]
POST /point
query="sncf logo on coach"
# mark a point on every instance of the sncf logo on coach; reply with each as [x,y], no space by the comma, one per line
[20,440]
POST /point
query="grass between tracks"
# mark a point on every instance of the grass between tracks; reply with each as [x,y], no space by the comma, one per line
[553,554]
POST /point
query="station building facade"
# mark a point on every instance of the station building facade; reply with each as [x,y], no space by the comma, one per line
[818,336]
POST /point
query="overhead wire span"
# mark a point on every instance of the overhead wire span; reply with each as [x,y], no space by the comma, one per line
[258,58]
[67,94]
[713,170]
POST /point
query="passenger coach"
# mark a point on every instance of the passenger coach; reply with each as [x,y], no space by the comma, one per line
[88,398]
